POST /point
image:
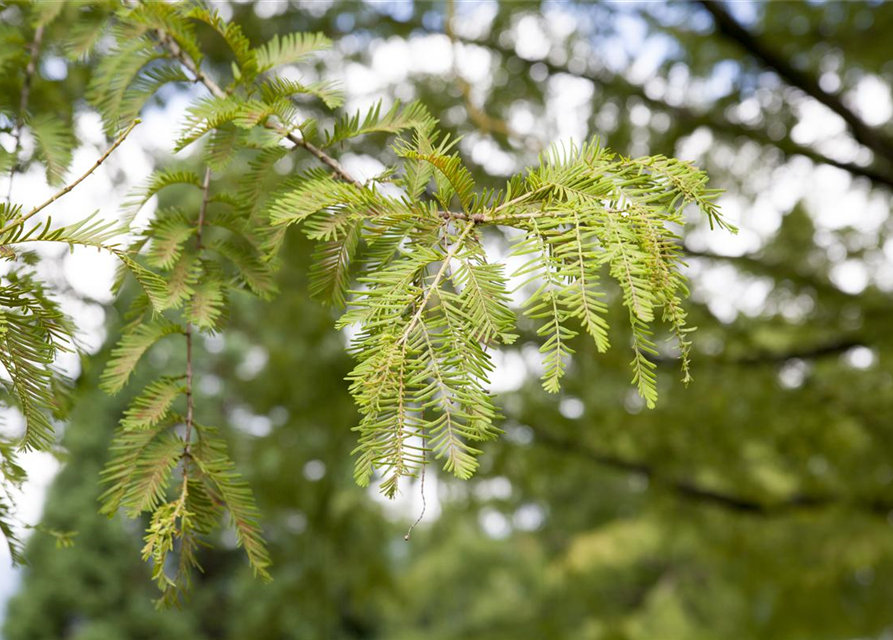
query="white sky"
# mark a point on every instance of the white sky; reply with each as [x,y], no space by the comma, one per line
[833,199]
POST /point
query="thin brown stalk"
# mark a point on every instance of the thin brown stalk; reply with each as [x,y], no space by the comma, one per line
[190,398]
[33,51]
[71,186]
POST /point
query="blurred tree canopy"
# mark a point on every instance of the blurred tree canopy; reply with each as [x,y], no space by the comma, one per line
[756,503]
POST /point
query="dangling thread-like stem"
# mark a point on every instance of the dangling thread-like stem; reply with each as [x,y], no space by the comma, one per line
[424,505]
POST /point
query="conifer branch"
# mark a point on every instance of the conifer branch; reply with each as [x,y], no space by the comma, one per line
[200,76]
[422,376]
[337,168]
[18,221]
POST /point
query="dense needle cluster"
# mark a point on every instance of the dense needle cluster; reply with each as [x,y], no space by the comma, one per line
[402,255]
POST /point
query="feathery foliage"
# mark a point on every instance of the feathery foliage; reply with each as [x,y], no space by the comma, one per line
[153,404]
[406,265]
[54,144]
[34,331]
[11,478]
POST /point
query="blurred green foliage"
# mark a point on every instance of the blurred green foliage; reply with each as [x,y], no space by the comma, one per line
[753,504]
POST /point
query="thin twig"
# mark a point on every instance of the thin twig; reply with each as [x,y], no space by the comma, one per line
[190,400]
[200,76]
[217,91]
[71,186]
[34,50]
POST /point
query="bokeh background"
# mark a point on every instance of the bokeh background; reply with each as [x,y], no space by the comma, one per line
[756,503]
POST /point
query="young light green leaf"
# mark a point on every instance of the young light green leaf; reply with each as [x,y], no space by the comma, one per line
[291,48]
[152,405]
[130,349]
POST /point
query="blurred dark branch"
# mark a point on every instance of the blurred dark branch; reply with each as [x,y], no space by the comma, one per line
[787,146]
[693,492]
[834,347]
[733,30]
[871,301]
[485,123]
[809,352]
[724,127]
[30,69]
[761,358]
[778,271]
[721,126]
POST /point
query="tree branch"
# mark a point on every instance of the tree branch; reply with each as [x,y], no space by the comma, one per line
[759,358]
[486,123]
[703,495]
[834,347]
[200,76]
[777,270]
[175,50]
[733,30]
[719,125]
